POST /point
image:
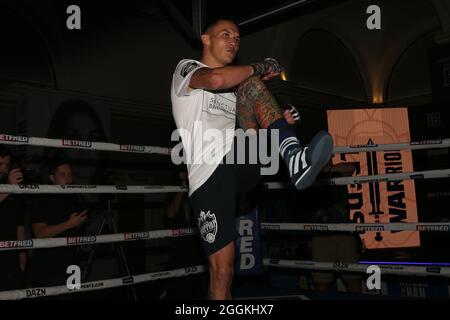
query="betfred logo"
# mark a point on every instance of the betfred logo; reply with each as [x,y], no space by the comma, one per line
[19,139]
[426,142]
[16,244]
[77,143]
[181,232]
[360,181]
[126,147]
[369,228]
[315,227]
[272,227]
[78,240]
[136,235]
[436,227]
[357,146]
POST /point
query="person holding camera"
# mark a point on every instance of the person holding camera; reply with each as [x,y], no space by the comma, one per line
[56,216]
[13,263]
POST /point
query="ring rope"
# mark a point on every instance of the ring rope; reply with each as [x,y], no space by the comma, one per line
[292,264]
[99,285]
[58,189]
[104,146]
[339,266]
[97,189]
[418,145]
[357,227]
[341,181]
[79,144]
[8,245]
[429,174]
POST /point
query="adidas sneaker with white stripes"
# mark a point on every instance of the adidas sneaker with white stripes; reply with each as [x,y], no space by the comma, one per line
[305,163]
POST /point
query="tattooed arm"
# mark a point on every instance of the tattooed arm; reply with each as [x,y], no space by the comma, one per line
[220,78]
[256,107]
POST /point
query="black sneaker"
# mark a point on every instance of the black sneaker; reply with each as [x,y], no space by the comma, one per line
[308,162]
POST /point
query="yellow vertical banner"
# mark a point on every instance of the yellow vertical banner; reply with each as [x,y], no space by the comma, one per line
[378,202]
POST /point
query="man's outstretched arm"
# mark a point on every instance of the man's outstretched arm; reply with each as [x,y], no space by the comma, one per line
[220,78]
[231,76]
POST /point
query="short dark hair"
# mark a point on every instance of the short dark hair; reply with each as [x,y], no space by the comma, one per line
[58,160]
[4,151]
[212,23]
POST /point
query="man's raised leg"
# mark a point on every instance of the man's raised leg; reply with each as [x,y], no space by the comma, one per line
[257,108]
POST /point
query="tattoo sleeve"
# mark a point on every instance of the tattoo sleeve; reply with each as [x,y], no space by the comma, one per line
[255,106]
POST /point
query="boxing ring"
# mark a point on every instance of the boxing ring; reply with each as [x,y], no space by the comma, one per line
[421,271]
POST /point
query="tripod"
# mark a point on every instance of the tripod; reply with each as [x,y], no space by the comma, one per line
[109,220]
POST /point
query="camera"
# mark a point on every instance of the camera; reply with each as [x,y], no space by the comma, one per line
[29,176]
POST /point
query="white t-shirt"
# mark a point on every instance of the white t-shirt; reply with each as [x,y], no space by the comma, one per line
[205,121]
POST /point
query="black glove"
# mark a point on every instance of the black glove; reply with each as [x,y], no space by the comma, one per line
[269,65]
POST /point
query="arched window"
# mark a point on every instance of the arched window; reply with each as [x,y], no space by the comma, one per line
[322,62]
[410,75]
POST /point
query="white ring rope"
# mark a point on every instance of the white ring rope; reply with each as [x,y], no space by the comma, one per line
[430,174]
[99,285]
[77,144]
[59,189]
[358,227]
[7,245]
[23,188]
[292,264]
[418,145]
[103,146]
[339,266]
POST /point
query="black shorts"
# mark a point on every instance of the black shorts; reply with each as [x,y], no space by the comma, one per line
[214,203]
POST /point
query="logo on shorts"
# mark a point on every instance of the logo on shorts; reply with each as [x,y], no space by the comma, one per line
[207,223]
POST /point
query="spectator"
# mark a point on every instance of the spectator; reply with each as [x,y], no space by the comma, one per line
[13,263]
[55,216]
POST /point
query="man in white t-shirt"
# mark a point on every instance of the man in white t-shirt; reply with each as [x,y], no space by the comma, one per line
[206,107]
